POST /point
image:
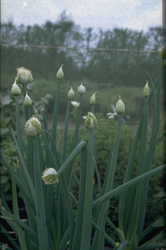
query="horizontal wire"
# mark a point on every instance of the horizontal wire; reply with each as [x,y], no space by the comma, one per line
[76,48]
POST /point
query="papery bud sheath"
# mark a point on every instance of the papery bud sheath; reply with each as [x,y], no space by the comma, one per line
[146,89]
[71,94]
[60,73]
[120,107]
[15,90]
[81,89]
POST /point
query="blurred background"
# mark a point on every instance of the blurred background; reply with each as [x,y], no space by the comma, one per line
[109,46]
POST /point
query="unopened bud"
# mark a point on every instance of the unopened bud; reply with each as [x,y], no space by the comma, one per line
[60,73]
[120,107]
[15,90]
[146,89]
[90,121]
[71,94]
[93,99]
[24,75]
[33,127]
[27,100]
[50,176]
[81,89]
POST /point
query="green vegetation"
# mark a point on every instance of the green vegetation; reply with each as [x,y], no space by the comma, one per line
[104,136]
[87,185]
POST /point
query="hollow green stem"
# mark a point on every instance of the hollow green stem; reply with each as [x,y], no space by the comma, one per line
[66,132]
[56,111]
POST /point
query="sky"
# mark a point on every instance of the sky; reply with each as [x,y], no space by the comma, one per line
[104,14]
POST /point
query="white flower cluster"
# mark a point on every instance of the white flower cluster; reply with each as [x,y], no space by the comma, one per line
[24,75]
[50,176]
[33,127]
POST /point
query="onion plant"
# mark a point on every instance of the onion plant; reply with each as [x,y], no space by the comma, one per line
[45,173]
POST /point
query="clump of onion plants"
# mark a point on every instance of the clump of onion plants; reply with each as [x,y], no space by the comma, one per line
[58,220]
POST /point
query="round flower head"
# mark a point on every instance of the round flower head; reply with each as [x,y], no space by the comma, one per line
[93,99]
[81,89]
[15,90]
[33,127]
[146,89]
[50,176]
[120,107]
[24,75]
[90,121]
[71,94]
[27,100]
[60,73]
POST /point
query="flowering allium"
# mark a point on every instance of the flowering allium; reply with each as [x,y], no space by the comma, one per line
[90,121]
[50,176]
[33,127]
[24,75]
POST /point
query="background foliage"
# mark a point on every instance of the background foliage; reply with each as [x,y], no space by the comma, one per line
[117,57]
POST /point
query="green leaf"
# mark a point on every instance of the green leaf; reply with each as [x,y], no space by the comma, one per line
[48,96]
[160,222]
[9,216]
[30,86]
[55,115]
[123,245]
[82,234]
[3,171]
[5,187]
[39,191]
[4,131]
[98,240]
[126,185]
[160,195]
[4,179]
[71,156]
[6,100]
[44,100]
[19,183]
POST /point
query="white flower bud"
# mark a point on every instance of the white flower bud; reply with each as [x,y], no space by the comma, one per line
[146,89]
[71,94]
[81,89]
[15,90]
[24,75]
[33,127]
[120,107]
[50,176]
[27,100]
[60,73]
[90,121]
[93,99]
